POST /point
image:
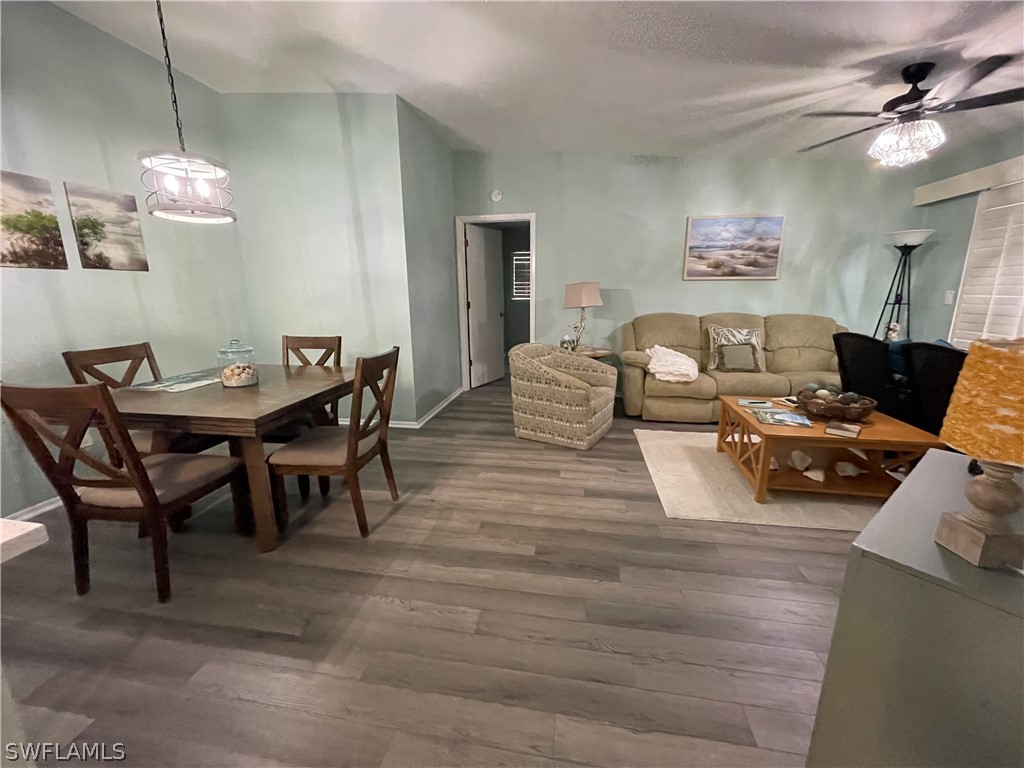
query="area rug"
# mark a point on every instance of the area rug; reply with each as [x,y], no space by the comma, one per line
[695,482]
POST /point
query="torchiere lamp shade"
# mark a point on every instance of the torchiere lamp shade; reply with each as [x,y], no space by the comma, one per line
[985,418]
[912,237]
[579,295]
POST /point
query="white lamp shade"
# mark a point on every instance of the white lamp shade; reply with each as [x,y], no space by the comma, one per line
[910,236]
[578,295]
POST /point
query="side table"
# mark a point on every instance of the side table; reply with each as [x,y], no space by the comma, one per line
[598,353]
[16,537]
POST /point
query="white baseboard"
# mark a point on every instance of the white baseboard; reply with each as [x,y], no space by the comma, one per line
[433,412]
[343,421]
[36,509]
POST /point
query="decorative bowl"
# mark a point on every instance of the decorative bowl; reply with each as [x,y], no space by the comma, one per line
[830,409]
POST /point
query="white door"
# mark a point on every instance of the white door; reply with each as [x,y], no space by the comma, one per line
[486,310]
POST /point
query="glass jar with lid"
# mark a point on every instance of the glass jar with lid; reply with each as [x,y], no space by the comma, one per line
[237,362]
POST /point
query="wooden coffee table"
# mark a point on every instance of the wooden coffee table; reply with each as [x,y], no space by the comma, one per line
[751,445]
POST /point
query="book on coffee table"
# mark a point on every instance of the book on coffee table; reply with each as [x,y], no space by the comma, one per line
[842,429]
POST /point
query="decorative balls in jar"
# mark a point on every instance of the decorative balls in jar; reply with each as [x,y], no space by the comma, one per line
[237,362]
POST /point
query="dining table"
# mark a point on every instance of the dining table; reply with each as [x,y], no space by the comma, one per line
[242,415]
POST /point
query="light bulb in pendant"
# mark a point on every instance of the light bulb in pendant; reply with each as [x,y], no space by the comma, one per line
[171,183]
[203,188]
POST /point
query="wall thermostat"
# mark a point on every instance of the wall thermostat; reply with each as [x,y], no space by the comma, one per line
[496,195]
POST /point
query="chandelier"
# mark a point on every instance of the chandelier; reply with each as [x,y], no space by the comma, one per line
[906,143]
[183,186]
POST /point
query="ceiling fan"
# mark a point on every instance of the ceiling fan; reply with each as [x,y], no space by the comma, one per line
[910,135]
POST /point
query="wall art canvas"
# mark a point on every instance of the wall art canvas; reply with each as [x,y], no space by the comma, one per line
[29,231]
[107,228]
[732,248]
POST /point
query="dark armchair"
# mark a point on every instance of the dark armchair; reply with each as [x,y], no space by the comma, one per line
[932,370]
[864,369]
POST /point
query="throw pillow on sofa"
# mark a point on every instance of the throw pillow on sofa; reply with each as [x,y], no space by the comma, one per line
[732,337]
[738,358]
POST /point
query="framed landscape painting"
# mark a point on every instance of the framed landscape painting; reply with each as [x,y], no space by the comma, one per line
[107,228]
[31,234]
[732,247]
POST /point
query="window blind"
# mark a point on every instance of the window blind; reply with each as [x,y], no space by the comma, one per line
[991,299]
[521,276]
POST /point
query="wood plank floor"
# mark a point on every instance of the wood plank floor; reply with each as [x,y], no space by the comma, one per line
[522,604]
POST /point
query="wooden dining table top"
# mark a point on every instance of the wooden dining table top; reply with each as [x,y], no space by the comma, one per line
[216,409]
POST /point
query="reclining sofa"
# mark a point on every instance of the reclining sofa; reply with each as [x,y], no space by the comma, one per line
[798,350]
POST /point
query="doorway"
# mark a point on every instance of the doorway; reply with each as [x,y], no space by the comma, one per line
[496,259]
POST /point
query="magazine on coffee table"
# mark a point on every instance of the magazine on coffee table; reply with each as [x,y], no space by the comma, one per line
[780,417]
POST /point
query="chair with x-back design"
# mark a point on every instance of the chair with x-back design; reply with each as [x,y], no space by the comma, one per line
[149,491]
[329,348]
[85,364]
[293,350]
[344,451]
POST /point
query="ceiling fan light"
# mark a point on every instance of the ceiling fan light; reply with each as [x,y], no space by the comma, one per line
[902,144]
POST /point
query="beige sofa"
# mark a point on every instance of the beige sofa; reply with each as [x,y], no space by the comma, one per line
[798,349]
[560,397]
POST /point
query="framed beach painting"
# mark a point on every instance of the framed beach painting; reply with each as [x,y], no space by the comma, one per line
[732,248]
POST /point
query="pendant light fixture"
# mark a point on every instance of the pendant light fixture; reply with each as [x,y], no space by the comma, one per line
[183,186]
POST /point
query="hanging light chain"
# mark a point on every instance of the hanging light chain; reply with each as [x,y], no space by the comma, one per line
[170,75]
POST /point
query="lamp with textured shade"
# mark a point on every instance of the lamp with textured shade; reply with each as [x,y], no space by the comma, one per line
[580,296]
[985,420]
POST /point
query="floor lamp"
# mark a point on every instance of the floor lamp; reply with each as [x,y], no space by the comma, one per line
[898,296]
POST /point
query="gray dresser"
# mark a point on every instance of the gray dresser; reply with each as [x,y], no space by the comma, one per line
[927,660]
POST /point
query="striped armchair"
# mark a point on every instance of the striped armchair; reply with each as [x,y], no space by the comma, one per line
[560,397]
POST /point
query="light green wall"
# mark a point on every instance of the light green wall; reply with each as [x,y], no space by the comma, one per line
[622,222]
[939,263]
[429,206]
[77,106]
[318,184]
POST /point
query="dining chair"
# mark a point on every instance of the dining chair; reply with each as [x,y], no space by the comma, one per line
[337,450]
[85,364]
[296,347]
[149,491]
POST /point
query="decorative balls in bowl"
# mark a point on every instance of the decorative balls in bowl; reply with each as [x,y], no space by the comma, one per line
[827,402]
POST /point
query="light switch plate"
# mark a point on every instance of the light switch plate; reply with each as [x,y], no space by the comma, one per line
[950,297]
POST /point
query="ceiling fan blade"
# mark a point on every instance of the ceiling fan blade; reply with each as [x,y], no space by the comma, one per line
[988,100]
[959,82]
[844,136]
[839,114]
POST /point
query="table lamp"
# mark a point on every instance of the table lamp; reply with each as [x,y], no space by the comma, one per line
[580,296]
[898,296]
[985,420]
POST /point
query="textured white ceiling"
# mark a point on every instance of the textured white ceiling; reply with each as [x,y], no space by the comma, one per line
[629,77]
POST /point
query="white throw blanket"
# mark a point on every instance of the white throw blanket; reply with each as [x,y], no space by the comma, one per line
[669,365]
